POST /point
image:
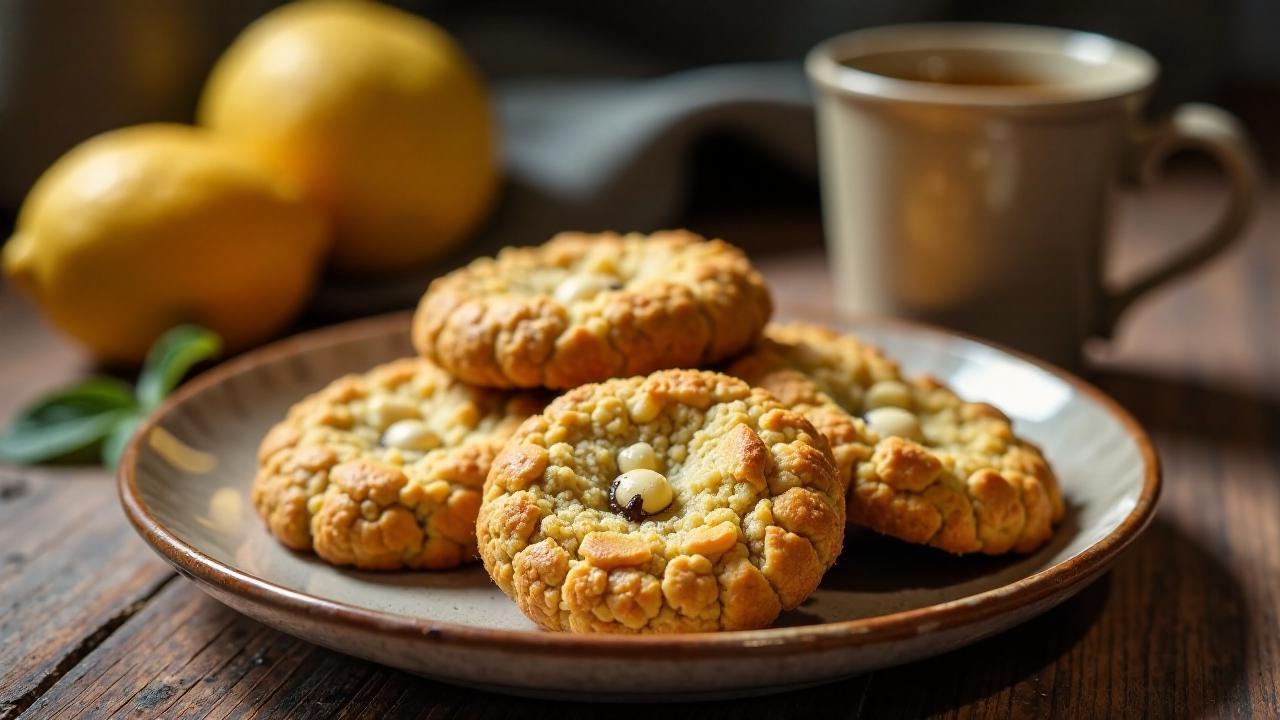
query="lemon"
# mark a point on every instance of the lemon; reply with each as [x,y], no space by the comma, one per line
[377,114]
[138,230]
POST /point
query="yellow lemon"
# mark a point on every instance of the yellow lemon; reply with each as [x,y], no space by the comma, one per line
[138,230]
[375,113]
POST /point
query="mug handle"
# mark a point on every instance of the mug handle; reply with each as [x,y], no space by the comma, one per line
[1218,133]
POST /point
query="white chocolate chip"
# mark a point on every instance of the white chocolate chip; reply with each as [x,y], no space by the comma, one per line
[652,487]
[384,410]
[637,457]
[894,421]
[584,287]
[369,510]
[413,435]
[887,393]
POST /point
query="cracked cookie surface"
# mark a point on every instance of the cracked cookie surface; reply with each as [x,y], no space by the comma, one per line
[588,307]
[754,517]
[921,464]
[384,470]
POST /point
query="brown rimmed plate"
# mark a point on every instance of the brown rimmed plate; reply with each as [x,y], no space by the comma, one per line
[184,483]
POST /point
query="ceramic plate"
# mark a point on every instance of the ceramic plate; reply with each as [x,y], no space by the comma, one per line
[185,484]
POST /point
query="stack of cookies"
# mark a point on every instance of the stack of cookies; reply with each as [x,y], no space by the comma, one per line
[695,474]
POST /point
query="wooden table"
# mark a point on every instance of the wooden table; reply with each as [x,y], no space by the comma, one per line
[1186,624]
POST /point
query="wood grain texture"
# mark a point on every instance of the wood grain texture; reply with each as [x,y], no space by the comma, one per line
[71,573]
[1187,623]
[71,570]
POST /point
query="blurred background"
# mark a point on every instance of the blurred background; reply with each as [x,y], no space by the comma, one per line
[613,115]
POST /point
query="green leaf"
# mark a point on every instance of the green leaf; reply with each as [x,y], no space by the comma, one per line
[91,397]
[113,446]
[67,420]
[51,438]
[94,396]
[170,358]
[103,413]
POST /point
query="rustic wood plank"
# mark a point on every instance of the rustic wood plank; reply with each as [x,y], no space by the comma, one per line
[72,572]
[186,656]
[1187,624]
[71,569]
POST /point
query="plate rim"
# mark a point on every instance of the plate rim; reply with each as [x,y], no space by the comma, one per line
[1066,575]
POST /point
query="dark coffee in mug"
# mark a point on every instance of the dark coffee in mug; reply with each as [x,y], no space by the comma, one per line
[990,68]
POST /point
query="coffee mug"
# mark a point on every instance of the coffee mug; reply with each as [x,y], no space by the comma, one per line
[968,171]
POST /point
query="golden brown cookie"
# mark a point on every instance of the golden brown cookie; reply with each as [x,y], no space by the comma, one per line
[922,465]
[584,308]
[679,502]
[384,470]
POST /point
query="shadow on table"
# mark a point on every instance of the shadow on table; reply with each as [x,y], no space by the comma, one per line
[1121,647]
[1193,409]
[913,690]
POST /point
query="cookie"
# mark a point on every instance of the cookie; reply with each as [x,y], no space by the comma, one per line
[384,470]
[584,308]
[679,502]
[922,464]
